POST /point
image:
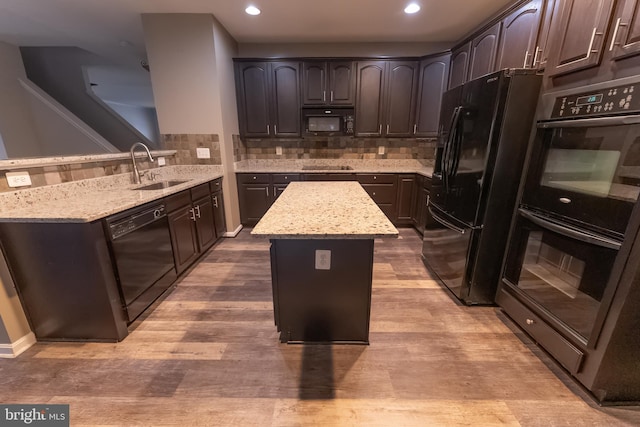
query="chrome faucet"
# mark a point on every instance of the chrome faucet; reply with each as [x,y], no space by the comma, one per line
[136,174]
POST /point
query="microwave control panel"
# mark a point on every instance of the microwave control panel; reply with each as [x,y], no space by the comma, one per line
[614,100]
[348,124]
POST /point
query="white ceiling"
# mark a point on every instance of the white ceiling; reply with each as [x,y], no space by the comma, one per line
[113,28]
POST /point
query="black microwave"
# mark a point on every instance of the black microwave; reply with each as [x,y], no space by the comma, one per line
[328,121]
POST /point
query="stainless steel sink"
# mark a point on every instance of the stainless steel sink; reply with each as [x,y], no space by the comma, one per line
[326,168]
[160,185]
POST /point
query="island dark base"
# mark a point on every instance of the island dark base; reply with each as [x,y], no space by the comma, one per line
[312,305]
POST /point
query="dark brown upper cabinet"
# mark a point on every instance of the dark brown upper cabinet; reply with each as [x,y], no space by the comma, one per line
[482,59]
[518,38]
[268,98]
[385,98]
[550,14]
[328,83]
[369,97]
[434,76]
[400,96]
[625,38]
[578,35]
[459,65]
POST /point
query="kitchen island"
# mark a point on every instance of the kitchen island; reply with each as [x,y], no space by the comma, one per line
[322,236]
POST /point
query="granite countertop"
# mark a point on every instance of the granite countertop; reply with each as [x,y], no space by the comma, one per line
[93,199]
[324,210]
[335,166]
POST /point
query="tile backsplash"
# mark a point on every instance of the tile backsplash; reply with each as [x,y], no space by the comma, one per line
[333,148]
[184,144]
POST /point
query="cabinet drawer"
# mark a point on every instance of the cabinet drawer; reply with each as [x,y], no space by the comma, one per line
[254,178]
[285,178]
[562,350]
[381,193]
[200,191]
[177,201]
[329,177]
[383,178]
[388,210]
[215,185]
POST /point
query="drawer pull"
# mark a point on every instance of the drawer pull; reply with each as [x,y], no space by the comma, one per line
[198,211]
[530,322]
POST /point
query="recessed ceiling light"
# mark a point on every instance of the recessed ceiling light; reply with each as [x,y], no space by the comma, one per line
[412,8]
[252,10]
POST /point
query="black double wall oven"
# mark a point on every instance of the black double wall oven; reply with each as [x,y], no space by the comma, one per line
[571,235]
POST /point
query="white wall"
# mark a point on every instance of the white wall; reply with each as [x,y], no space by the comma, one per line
[16,122]
[181,58]
[144,119]
[190,61]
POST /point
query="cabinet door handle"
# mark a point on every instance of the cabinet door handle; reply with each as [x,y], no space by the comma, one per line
[427,200]
[535,57]
[415,127]
[198,211]
[324,96]
[380,129]
[387,129]
[267,188]
[593,36]
[526,56]
[615,33]
[193,214]
[331,96]
[267,129]
[275,129]
[215,201]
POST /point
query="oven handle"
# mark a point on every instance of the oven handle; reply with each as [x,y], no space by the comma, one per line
[598,121]
[445,222]
[569,232]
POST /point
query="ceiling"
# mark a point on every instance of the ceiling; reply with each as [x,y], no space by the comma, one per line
[113,28]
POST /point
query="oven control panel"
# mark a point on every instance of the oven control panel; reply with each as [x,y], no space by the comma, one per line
[614,100]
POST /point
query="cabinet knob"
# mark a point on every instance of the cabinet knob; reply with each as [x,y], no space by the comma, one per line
[375,177]
[255,177]
[530,322]
[374,193]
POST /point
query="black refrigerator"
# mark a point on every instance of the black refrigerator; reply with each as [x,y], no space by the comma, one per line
[485,129]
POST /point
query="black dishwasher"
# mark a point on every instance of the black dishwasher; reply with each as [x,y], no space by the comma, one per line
[142,254]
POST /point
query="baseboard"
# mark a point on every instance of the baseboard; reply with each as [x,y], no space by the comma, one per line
[17,348]
[233,233]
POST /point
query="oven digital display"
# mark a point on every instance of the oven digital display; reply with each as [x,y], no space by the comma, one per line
[589,99]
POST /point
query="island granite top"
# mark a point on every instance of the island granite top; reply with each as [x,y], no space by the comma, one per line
[324,210]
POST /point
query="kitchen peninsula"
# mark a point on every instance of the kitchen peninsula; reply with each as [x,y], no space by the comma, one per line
[322,236]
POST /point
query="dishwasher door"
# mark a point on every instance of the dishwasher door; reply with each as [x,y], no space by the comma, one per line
[143,255]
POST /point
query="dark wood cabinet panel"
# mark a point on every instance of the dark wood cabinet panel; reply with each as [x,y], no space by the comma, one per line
[406,197]
[369,101]
[401,83]
[328,83]
[519,35]
[482,59]
[434,75]
[341,82]
[314,82]
[625,38]
[192,225]
[252,88]
[285,99]
[578,36]
[268,98]
[205,226]
[459,65]
[550,14]
[218,214]
[254,202]
[183,237]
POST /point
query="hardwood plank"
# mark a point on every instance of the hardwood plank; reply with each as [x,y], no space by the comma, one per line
[208,354]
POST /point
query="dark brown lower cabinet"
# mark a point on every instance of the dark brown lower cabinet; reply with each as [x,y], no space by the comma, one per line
[192,224]
[420,213]
[397,195]
[406,196]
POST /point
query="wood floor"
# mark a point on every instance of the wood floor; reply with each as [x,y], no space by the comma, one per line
[208,355]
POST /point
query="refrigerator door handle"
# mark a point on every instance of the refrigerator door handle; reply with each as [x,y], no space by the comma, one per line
[446,155]
[457,145]
[445,222]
